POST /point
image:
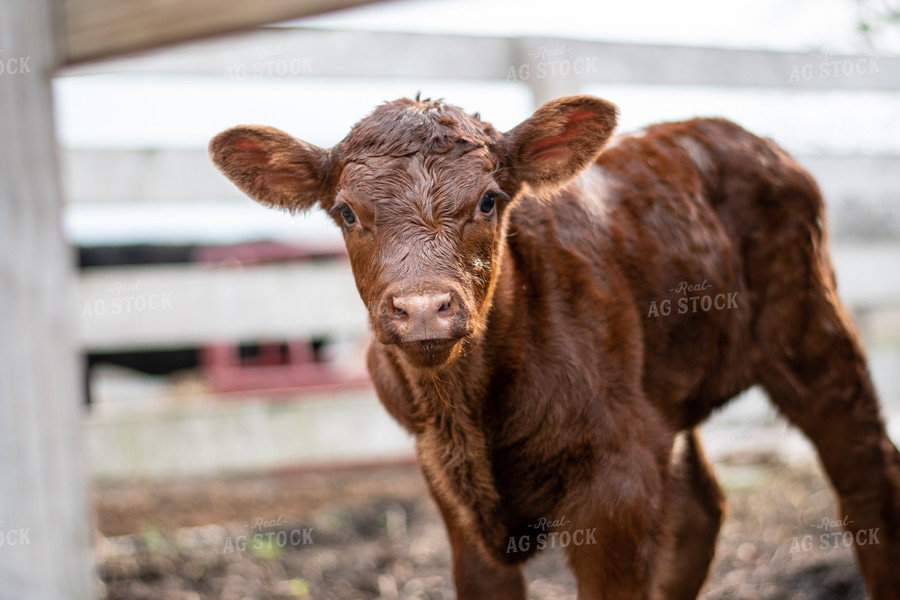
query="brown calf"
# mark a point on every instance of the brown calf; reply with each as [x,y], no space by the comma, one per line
[535,332]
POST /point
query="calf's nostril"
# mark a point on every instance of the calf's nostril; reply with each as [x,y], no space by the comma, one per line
[397,308]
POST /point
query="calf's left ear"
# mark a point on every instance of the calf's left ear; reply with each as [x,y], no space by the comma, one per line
[557,142]
[272,167]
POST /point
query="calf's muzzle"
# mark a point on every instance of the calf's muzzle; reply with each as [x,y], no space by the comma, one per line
[426,316]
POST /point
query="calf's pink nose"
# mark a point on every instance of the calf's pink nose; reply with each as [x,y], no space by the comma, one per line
[424,316]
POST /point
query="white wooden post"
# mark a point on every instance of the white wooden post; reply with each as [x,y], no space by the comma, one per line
[45,551]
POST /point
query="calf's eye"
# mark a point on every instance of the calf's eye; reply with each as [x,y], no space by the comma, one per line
[486,205]
[348,215]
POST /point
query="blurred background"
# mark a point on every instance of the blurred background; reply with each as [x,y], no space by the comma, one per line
[223,343]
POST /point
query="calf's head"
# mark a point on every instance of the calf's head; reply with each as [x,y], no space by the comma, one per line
[422,192]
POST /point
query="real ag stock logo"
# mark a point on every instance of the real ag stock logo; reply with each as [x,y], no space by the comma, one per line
[834,64]
[551,61]
[691,301]
[549,537]
[17,65]
[268,540]
[125,298]
[18,536]
[829,540]
[270,61]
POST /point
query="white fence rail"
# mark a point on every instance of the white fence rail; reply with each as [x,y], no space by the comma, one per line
[357,54]
[129,308]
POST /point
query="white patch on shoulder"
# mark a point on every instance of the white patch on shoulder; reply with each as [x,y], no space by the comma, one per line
[621,137]
[696,152]
[594,191]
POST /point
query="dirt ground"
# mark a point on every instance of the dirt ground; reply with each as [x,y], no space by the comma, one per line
[375,533]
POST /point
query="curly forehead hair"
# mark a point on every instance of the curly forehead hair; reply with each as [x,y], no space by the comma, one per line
[405,127]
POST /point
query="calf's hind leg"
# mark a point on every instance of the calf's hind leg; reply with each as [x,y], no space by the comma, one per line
[811,363]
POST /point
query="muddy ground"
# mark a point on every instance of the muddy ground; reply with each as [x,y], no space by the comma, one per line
[375,533]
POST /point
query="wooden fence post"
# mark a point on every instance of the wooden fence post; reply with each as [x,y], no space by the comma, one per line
[45,550]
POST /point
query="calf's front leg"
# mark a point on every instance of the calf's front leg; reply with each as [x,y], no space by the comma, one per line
[698,509]
[626,508]
[477,576]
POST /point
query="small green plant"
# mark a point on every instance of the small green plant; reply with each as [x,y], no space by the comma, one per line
[154,541]
[265,548]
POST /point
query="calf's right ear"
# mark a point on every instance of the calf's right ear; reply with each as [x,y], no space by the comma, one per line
[272,167]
